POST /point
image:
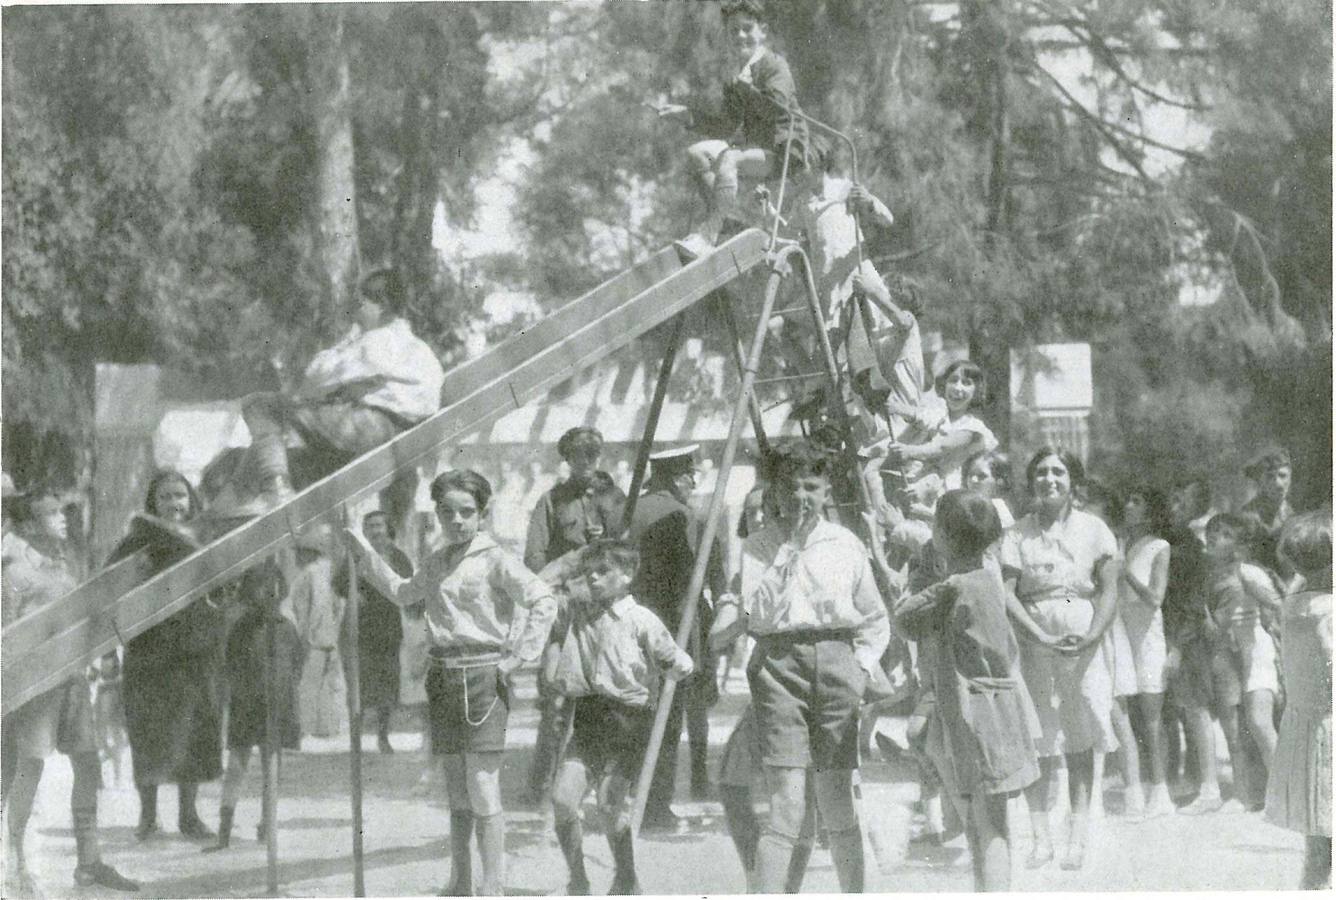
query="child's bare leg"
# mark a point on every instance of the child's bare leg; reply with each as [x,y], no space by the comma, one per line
[1201,737]
[1317,863]
[1040,797]
[568,791]
[788,804]
[1150,714]
[483,779]
[461,825]
[835,801]
[990,844]
[743,826]
[802,850]
[753,162]
[1080,782]
[1228,717]
[1261,710]
[1134,803]
[701,157]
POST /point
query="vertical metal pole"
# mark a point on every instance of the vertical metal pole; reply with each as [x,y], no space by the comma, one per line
[269,801]
[712,518]
[354,669]
[652,422]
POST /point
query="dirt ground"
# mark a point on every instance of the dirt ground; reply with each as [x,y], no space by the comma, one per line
[406,823]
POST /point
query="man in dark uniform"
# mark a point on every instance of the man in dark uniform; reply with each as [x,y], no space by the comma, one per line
[585,506]
[667,530]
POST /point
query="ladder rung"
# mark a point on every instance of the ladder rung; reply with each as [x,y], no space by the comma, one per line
[792,310]
[799,377]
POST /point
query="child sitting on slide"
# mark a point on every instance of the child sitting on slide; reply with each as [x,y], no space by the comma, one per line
[748,137]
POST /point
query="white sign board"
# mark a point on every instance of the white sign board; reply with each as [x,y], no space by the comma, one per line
[1052,377]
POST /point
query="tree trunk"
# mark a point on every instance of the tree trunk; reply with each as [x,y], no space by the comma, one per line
[336,222]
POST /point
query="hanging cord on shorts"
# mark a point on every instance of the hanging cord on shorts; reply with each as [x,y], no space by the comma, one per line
[463,675]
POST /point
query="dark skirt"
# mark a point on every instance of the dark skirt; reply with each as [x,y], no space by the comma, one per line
[468,709]
[247,714]
[380,632]
[173,711]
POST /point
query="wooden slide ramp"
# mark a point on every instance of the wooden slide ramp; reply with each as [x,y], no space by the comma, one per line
[48,646]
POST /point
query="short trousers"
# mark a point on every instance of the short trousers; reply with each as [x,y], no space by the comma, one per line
[807,688]
[1244,661]
[61,720]
[741,763]
[1073,696]
[467,708]
[609,737]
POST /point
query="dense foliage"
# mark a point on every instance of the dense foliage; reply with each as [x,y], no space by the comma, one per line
[1058,172]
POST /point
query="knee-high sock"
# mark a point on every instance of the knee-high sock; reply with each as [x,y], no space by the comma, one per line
[492,848]
[83,806]
[846,851]
[802,854]
[148,803]
[461,855]
[571,837]
[187,792]
[624,861]
[743,826]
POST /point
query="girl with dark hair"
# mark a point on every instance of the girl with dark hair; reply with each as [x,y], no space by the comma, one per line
[170,679]
[1142,585]
[962,434]
[1061,565]
[487,615]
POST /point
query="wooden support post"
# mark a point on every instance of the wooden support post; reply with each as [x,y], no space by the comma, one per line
[735,340]
[652,422]
[353,666]
[269,801]
[713,516]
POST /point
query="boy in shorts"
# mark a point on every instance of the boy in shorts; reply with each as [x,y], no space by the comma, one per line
[809,597]
[748,137]
[610,649]
[1243,665]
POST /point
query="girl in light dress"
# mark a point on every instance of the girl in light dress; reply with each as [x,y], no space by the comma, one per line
[1298,793]
[1141,590]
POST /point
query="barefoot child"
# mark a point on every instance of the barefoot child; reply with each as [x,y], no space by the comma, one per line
[1243,666]
[749,136]
[607,665]
[1298,796]
[986,713]
[487,615]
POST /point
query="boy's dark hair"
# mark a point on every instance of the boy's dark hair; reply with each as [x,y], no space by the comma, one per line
[753,8]
[905,294]
[969,521]
[581,437]
[380,514]
[466,480]
[624,555]
[385,287]
[999,466]
[799,459]
[1305,541]
[1241,528]
[1267,459]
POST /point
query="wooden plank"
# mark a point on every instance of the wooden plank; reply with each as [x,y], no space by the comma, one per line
[518,370]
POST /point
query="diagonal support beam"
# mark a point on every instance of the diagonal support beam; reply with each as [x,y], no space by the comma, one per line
[41,651]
